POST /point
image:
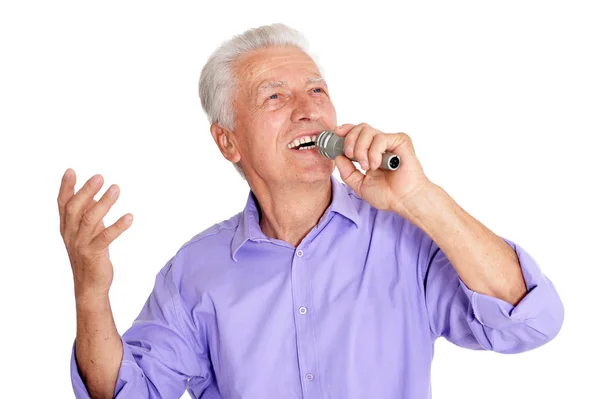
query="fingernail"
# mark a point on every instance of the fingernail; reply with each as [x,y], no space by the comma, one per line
[128,218]
[96,179]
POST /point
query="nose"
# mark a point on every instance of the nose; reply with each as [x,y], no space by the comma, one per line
[305,109]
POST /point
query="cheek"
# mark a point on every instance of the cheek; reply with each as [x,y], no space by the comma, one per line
[266,130]
[270,124]
[328,112]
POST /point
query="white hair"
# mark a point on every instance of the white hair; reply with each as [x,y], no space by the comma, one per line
[218,80]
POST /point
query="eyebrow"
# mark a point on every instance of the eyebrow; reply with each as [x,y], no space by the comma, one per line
[280,83]
[271,85]
[316,79]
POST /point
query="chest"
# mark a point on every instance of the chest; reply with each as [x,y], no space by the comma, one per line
[296,320]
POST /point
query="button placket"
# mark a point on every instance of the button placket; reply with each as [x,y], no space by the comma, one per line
[301,276]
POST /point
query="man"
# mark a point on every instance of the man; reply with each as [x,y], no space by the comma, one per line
[318,289]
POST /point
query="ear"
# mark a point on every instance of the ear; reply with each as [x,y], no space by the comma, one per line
[223,139]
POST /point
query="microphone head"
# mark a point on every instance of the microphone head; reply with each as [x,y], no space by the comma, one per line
[329,145]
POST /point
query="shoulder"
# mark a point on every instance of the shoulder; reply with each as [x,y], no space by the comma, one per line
[218,233]
[208,247]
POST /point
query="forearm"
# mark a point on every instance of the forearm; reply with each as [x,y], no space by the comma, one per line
[483,261]
[98,347]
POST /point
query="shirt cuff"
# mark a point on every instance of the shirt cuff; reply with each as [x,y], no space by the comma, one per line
[497,313]
[127,372]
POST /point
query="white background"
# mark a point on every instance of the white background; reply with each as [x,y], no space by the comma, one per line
[501,99]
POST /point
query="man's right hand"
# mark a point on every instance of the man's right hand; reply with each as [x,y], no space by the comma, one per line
[85,236]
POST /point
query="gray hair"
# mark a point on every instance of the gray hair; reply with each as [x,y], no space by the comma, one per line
[218,80]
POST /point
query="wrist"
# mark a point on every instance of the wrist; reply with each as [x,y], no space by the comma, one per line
[424,201]
[92,302]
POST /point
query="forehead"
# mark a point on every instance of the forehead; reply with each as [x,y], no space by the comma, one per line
[274,64]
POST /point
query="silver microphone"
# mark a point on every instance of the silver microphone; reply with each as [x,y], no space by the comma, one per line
[330,146]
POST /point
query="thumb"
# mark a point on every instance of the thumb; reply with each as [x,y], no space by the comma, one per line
[349,173]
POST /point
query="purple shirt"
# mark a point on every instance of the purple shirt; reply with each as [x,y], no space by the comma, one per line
[352,312]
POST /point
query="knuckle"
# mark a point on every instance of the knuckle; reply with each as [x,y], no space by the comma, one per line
[82,254]
[71,208]
[87,219]
[104,236]
[87,256]
[79,252]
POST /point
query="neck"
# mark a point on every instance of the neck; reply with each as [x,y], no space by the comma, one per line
[289,212]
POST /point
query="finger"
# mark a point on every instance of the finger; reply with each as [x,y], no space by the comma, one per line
[363,143]
[109,234]
[65,193]
[350,140]
[92,216]
[78,203]
[349,174]
[99,226]
[378,146]
[343,130]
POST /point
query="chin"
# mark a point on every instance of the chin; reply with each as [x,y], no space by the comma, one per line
[316,173]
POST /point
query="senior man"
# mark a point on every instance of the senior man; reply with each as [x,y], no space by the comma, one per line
[317,289]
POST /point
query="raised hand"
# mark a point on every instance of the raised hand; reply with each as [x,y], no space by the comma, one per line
[85,236]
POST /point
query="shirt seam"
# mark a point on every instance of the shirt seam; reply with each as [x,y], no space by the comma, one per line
[131,362]
[207,233]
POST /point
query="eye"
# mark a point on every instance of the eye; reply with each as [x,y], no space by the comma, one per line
[273,96]
[317,90]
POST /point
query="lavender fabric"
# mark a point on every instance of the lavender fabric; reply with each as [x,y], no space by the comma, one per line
[352,312]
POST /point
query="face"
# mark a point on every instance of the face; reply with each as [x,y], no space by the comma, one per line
[280,97]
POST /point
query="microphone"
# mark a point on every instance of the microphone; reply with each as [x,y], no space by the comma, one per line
[330,146]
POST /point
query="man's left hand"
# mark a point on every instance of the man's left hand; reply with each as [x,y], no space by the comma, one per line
[383,189]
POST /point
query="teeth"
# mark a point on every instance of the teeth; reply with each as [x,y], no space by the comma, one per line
[302,140]
[306,148]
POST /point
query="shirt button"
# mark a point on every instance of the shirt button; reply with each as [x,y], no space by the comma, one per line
[299,253]
[302,310]
[309,377]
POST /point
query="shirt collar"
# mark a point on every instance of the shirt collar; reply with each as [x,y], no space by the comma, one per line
[249,227]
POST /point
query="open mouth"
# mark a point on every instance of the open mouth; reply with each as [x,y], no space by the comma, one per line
[303,143]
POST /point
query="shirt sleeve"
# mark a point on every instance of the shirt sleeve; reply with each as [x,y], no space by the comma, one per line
[162,350]
[477,321]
